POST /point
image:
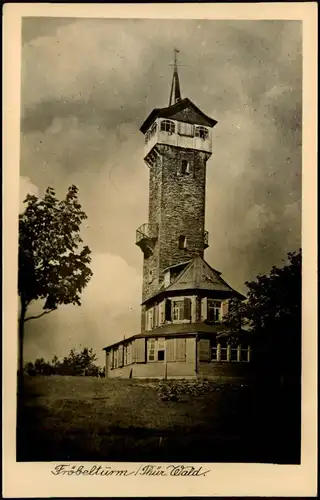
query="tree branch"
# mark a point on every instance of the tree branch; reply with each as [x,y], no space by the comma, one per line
[39,316]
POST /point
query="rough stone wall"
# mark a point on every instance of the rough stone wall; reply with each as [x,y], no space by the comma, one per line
[182,206]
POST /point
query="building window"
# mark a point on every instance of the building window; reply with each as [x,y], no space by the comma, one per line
[151,349]
[224,352]
[177,310]
[185,167]
[115,358]
[155,349]
[182,242]
[150,277]
[160,349]
[181,309]
[168,126]
[234,353]
[202,132]
[214,310]
[244,352]
[214,350]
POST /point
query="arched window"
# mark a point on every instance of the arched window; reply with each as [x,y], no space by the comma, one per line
[168,126]
[202,132]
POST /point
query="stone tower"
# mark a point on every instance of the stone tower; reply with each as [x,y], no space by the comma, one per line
[177,148]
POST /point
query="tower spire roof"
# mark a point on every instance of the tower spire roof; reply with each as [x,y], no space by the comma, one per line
[175,93]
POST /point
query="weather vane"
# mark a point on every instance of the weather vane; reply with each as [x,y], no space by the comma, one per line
[175,63]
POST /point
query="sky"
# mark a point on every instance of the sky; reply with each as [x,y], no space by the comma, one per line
[86,87]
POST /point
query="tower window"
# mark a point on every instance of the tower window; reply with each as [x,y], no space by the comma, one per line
[185,167]
[182,242]
[150,276]
[202,132]
[168,126]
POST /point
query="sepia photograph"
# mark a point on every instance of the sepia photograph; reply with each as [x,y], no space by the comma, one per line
[160,242]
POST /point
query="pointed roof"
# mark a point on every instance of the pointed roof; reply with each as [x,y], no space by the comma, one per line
[179,109]
[175,93]
[198,275]
[183,110]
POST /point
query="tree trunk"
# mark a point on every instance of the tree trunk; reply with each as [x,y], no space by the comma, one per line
[20,346]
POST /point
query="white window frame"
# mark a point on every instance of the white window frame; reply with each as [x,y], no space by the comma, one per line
[154,346]
[177,309]
[216,306]
[168,126]
[199,130]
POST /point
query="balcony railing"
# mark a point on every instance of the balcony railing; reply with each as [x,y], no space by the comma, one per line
[146,236]
[206,239]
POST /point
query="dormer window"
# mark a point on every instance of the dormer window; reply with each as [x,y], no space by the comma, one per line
[168,126]
[202,132]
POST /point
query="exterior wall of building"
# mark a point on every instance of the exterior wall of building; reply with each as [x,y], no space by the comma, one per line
[158,369]
[224,371]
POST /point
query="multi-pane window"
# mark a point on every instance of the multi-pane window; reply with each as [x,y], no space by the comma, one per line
[234,353]
[201,132]
[177,310]
[222,350]
[214,310]
[244,352]
[115,358]
[168,126]
[214,350]
[151,349]
[155,349]
[127,354]
[160,349]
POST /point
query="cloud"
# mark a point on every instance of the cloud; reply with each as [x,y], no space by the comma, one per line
[109,311]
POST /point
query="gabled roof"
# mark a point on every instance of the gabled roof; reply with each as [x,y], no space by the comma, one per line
[183,110]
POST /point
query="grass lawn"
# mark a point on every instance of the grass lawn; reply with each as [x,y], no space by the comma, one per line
[92,419]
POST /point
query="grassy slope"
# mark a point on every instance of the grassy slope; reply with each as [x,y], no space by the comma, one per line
[83,418]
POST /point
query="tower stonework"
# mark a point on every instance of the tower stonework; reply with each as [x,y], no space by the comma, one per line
[176,212]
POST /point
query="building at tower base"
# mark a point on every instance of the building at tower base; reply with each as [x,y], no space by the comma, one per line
[184,299]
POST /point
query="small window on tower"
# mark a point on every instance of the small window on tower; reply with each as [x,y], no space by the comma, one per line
[182,242]
[185,167]
[168,126]
[202,132]
[150,276]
